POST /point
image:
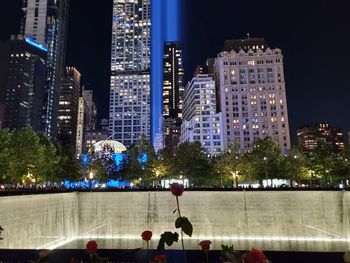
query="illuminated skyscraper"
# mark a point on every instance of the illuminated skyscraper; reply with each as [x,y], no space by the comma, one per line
[130,114]
[45,21]
[22,83]
[252,91]
[68,107]
[173,89]
[202,122]
[165,28]
[309,135]
[136,97]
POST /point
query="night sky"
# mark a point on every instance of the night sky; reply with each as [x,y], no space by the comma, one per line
[314,36]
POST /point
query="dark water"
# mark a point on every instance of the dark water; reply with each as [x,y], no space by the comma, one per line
[173,256]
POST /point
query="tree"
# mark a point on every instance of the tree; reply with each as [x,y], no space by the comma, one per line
[296,169]
[26,156]
[192,163]
[68,165]
[321,162]
[161,165]
[6,152]
[341,170]
[227,165]
[140,161]
[47,167]
[265,161]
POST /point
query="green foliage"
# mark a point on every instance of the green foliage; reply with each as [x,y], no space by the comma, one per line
[168,238]
[229,253]
[321,161]
[228,165]
[29,158]
[296,166]
[185,225]
[68,166]
[5,154]
[191,162]
[133,169]
[265,161]
[26,156]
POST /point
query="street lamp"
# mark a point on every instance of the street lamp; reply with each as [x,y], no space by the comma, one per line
[265,161]
[234,179]
[296,170]
[91,177]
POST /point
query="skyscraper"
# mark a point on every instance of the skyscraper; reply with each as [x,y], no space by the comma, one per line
[22,83]
[309,134]
[201,121]
[45,22]
[165,28]
[68,107]
[136,96]
[252,90]
[130,114]
[173,88]
[90,109]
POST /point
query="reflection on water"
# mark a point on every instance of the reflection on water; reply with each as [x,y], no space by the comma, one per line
[242,244]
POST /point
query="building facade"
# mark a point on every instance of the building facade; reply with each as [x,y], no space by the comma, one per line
[252,93]
[68,107]
[45,22]
[92,137]
[22,83]
[130,114]
[80,127]
[201,122]
[90,109]
[310,134]
[173,89]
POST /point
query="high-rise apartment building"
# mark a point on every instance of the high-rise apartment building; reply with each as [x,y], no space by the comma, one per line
[22,83]
[252,92]
[201,122]
[173,89]
[80,127]
[45,22]
[130,114]
[87,119]
[90,109]
[309,134]
[68,107]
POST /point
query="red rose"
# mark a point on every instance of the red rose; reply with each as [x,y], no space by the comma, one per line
[74,260]
[205,245]
[177,189]
[159,259]
[255,256]
[146,235]
[91,247]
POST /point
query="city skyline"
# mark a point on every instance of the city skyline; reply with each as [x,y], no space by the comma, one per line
[309,65]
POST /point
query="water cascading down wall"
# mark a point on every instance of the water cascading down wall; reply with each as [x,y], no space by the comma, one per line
[304,221]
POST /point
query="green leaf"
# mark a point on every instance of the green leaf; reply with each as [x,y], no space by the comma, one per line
[167,238]
[179,222]
[185,225]
[161,245]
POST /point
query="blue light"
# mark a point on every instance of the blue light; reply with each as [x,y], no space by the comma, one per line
[116,184]
[165,27]
[85,159]
[34,44]
[172,20]
[143,158]
[157,46]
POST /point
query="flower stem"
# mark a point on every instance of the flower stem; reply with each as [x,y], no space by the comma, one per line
[206,257]
[147,251]
[182,233]
[178,206]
